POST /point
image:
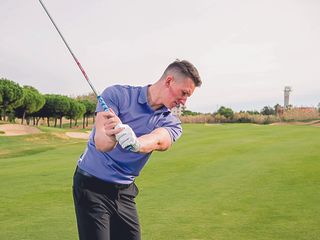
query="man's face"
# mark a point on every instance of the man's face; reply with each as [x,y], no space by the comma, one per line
[179,89]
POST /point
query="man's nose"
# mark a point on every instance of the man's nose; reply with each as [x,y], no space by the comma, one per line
[183,101]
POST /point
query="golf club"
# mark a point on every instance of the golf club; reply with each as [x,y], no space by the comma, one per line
[100,99]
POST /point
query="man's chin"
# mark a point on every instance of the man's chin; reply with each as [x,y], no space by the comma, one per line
[174,106]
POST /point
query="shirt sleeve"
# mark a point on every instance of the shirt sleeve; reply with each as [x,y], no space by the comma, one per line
[173,125]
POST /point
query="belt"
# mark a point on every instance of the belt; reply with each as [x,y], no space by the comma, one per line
[98,181]
[79,170]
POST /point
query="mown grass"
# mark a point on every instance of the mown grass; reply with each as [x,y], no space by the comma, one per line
[233,181]
[35,180]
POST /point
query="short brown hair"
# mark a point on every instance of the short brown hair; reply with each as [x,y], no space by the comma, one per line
[185,68]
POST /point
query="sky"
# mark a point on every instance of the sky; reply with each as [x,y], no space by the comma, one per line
[245,51]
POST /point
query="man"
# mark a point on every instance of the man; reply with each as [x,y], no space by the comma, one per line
[121,142]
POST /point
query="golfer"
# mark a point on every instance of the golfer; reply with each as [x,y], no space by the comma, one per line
[120,144]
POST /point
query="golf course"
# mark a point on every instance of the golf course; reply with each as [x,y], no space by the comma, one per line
[218,181]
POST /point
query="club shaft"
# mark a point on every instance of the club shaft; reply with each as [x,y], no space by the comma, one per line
[100,99]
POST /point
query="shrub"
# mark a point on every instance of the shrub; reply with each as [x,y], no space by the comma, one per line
[294,114]
[242,117]
[201,118]
[300,114]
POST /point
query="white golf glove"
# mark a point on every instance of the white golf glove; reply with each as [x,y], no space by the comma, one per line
[127,138]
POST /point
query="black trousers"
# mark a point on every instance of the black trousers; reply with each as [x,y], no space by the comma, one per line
[105,211]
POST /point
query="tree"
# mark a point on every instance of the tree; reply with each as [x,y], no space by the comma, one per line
[90,96]
[76,111]
[1,98]
[226,112]
[61,108]
[47,111]
[189,113]
[11,95]
[90,110]
[32,101]
[279,110]
[56,107]
[267,110]
[252,112]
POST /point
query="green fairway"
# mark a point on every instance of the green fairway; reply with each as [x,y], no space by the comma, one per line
[221,182]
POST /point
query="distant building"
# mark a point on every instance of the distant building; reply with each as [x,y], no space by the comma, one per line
[287,91]
[177,111]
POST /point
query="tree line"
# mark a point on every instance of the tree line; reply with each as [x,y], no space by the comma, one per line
[28,104]
[229,113]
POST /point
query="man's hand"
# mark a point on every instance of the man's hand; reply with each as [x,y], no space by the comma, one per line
[110,121]
[105,130]
[127,138]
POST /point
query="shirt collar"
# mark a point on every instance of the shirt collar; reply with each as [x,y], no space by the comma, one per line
[143,99]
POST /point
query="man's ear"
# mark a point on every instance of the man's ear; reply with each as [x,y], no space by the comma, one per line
[168,80]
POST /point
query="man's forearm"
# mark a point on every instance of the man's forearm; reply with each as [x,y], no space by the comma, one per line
[158,140]
[103,142]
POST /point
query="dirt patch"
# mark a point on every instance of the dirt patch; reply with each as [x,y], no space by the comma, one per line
[311,123]
[80,135]
[17,129]
[60,135]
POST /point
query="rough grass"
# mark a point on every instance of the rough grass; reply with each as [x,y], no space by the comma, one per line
[221,182]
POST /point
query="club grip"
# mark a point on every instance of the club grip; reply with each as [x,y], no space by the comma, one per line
[128,148]
[103,104]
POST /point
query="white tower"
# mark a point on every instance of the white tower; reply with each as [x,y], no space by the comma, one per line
[287,91]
